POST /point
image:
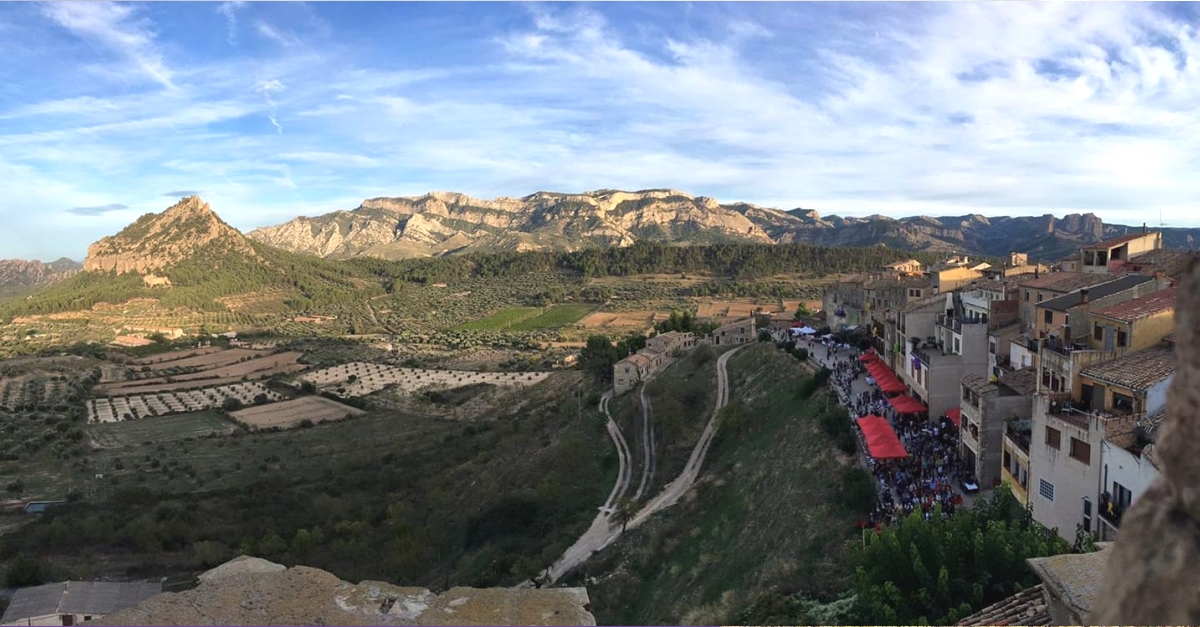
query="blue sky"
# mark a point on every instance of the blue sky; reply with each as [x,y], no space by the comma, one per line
[273,110]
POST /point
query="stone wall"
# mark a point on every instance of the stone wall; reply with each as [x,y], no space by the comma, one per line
[1151,575]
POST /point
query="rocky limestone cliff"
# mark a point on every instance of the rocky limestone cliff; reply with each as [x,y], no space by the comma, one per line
[21,273]
[446,222]
[252,591]
[157,241]
[442,223]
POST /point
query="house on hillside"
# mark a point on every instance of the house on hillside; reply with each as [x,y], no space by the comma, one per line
[734,333]
[629,371]
[73,602]
[909,266]
[985,410]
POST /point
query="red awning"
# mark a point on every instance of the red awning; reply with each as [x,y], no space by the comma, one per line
[882,442]
[907,405]
[955,416]
[868,356]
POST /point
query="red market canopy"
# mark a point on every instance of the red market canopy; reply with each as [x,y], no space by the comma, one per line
[955,416]
[882,442]
[868,356]
[884,377]
[907,405]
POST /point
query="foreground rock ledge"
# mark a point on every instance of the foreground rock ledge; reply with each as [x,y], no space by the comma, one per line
[252,591]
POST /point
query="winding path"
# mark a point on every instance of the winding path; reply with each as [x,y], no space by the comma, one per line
[602,532]
[624,469]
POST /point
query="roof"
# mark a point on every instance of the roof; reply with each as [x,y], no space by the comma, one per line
[1023,381]
[977,383]
[1006,332]
[1073,577]
[1027,607]
[1172,261]
[1138,308]
[77,597]
[1136,371]
[906,262]
[637,360]
[1117,241]
[985,284]
[1065,281]
[1067,301]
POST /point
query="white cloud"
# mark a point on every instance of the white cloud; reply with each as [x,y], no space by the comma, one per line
[229,10]
[943,108]
[115,26]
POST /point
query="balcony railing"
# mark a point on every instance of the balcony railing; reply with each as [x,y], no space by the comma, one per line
[1110,510]
[956,324]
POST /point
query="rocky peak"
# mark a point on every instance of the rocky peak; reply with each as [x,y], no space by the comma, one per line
[160,240]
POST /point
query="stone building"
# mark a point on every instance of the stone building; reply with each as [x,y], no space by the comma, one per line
[735,333]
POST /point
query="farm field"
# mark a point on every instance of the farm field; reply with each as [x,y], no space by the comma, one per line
[258,367]
[164,429]
[288,414]
[178,356]
[116,409]
[554,317]
[502,319]
[623,319]
[370,378]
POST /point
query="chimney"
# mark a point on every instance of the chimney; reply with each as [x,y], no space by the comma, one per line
[1143,228]
[1083,296]
[1158,278]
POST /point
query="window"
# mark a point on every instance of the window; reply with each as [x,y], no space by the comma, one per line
[1087,515]
[1122,495]
[1097,332]
[1081,451]
[1122,402]
[1026,295]
[1040,298]
[1008,461]
[1024,477]
[1053,438]
[1045,378]
[1046,489]
[1048,317]
[1122,339]
[992,346]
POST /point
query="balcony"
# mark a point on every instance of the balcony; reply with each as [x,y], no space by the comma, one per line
[1110,510]
[956,324]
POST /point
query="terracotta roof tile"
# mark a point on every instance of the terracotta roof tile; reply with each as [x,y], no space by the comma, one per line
[1148,305]
[1103,290]
[1136,371]
[1027,607]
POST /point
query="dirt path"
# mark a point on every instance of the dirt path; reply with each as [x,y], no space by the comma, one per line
[624,468]
[647,444]
[603,532]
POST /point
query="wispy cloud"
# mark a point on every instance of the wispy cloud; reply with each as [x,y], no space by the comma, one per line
[229,10]
[115,26]
[276,35]
[97,210]
[181,194]
[901,109]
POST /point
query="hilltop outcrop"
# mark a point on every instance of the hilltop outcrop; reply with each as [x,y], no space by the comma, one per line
[161,240]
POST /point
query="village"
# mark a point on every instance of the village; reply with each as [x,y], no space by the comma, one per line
[1051,378]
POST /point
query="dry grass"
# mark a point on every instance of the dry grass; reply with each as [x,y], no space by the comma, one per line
[255,368]
[179,355]
[289,414]
[622,319]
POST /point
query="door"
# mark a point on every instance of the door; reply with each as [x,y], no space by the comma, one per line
[68,620]
[1085,397]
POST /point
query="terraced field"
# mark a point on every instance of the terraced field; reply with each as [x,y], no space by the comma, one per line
[163,429]
[501,320]
[554,317]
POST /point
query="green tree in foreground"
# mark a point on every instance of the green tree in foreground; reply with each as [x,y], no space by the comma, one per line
[941,570]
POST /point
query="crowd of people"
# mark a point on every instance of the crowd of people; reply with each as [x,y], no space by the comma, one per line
[930,475]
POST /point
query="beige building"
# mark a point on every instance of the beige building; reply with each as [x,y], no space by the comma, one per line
[910,266]
[1134,324]
[1052,285]
[734,333]
[985,409]
[1112,255]
[629,371]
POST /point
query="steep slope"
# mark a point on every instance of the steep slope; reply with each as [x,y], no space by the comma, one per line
[17,275]
[444,223]
[189,258]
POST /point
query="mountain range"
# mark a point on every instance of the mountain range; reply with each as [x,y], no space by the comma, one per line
[446,223]
[18,275]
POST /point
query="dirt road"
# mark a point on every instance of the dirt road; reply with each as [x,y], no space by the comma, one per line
[624,468]
[647,444]
[603,532]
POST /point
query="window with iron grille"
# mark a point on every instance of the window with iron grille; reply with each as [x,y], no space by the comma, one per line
[1046,489]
